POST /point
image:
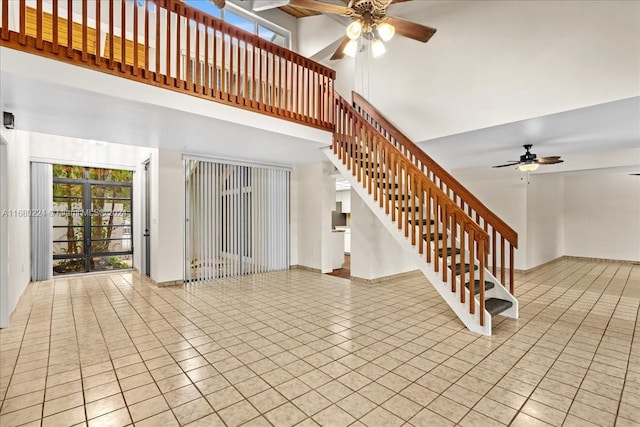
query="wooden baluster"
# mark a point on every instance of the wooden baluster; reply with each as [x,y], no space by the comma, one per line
[178,57]
[472,272]
[22,29]
[135,38]
[369,169]
[147,43]
[39,43]
[421,222]
[239,94]
[69,28]
[387,189]
[206,87]
[214,69]
[502,263]
[481,257]
[98,48]
[168,47]
[436,231]
[493,250]
[111,11]
[245,80]
[374,167]
[383,175]
[188,68]
[338,136]
[232,94]
[287,83]
[123,36]
[511,269]
[463,249]
[413,209]
[394,180]
[5,20]
[405,185]
[448,226]
[428,227]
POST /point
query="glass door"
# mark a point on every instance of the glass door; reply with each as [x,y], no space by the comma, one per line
[92,227]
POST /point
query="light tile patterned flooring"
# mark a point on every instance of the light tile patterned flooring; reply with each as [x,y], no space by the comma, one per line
[299,348]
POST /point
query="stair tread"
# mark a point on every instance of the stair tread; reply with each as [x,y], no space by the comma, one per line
[441,251]
[466,268]
[496,306]
[476,287]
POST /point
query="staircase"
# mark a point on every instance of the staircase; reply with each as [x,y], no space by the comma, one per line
[447,244]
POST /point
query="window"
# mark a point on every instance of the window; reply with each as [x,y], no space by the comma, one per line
[245,20]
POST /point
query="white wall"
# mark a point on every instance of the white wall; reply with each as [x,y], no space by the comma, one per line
[504,191]
[602,216]
[167,217]
[18,255]
[374,252]
[312,200]
[545,219]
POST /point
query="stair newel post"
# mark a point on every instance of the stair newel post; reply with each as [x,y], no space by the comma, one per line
[472,272]
[337,135]
[493,251]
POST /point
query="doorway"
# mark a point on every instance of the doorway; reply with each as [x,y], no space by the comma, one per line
[92,227]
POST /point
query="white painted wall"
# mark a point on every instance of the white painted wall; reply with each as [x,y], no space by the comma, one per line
[504,191]
[4,246]
[312,200]
[167,217]
[494,62]
[374,251]
[545,219]
[18,227]
[602,216]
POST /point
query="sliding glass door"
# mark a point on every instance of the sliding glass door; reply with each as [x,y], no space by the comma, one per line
[237,219]
[91,219]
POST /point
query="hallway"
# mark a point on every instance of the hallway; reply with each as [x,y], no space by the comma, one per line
[299,347]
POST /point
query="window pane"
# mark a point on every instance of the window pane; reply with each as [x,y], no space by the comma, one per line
[240,22]
[67,195]
[68,172]
[205,6]
[68,233]
[115,175]
[101,192]
[68,247]
[271,35]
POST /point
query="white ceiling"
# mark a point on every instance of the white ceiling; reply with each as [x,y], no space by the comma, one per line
[601,136]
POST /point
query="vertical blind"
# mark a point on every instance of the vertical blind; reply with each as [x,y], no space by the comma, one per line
[237,219]
[41,221]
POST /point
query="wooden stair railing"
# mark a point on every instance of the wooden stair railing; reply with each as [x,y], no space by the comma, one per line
[497,229]
[413,201]
[166,43]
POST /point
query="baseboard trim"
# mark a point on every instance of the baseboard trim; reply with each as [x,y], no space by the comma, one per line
[405,275]
[304,267]
[576,258]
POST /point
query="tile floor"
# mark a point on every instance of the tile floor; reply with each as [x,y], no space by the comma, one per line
[299,348]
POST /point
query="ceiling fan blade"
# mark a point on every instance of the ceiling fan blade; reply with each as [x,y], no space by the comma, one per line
[339,53]
[415,31]
[507,165]
[551,160]
[320,7]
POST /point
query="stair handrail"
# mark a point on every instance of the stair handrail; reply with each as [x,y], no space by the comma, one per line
[450,214]
[448,184]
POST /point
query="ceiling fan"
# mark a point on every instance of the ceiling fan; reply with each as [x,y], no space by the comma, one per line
[369,19]
[529,161]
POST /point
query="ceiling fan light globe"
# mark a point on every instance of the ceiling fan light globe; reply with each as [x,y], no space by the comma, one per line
[386,31]
[354,30]
[377,48]
[528,167]
[351,48]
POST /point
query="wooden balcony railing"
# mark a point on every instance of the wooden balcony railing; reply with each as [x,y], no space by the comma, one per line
[168,44]
[500,233]
[413,200]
